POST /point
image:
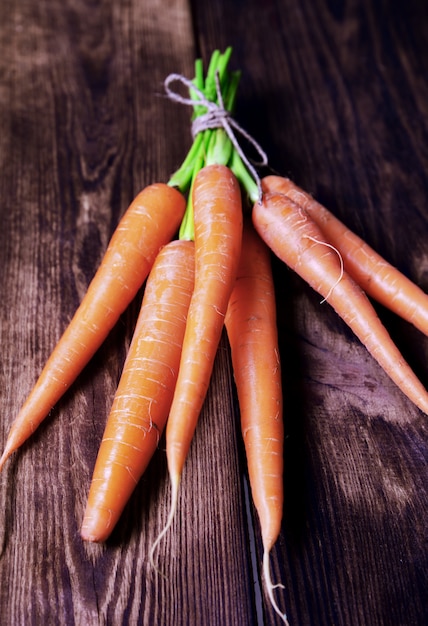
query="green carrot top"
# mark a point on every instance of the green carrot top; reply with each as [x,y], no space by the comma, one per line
[213,98]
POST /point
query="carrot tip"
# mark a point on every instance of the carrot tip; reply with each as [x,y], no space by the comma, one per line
[96,525]
[270,587]
[4,457]
[175,482]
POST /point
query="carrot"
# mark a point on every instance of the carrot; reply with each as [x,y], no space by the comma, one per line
[217,233]
[144,394]
[379,279]
[295,238]
[150,221]
[251,327]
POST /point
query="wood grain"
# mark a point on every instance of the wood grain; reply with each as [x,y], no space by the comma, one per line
[336,93]
[86,127]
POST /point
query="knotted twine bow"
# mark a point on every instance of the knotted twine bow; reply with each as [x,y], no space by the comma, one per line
[217,116]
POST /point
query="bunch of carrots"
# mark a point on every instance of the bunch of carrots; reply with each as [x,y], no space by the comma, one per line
[205,259]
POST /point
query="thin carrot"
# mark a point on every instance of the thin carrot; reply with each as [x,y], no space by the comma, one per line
[150,221]
[379,279]
[251,327]
[294,237]
[144,394]
[218,233]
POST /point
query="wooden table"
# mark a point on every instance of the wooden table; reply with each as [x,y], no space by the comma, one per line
[337,95]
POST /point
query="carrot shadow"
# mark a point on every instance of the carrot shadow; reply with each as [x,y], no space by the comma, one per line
[296,479]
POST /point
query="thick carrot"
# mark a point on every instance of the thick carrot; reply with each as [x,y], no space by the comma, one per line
[218,232]
[294,237]
[251,327]
[144,394]
[150,221]
[379,279]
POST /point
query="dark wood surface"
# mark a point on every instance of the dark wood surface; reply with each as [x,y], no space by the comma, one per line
[337,94]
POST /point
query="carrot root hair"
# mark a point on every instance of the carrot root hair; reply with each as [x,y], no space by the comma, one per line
[175,484]
[342,269]
[270,586]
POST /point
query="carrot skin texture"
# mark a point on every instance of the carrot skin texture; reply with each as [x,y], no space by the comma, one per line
[218,234]
[252,332]
[295,238]
[150,222]
[378,278]
[144,394]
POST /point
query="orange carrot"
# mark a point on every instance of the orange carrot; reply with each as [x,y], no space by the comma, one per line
[295,238]
[379,279]
[251,327]
[144,394]
[218,232]
[150,221]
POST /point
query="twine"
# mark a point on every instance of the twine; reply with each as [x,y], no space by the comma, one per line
[217,116]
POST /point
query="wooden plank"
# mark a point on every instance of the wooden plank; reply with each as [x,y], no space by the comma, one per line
[85,126]
[337,96]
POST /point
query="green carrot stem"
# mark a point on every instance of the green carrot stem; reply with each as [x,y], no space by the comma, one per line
[182,177]
[231,91]
[222,66]
[212,145]
[219,148]
[243,175]
[199,82]
[187,230]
